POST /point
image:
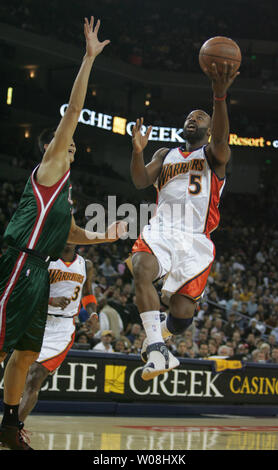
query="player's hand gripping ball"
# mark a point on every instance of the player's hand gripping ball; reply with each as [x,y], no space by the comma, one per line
[219,50]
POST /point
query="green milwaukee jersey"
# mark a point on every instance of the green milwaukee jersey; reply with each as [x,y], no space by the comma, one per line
[43,217]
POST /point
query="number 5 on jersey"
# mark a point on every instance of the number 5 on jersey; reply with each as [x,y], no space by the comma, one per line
[195,181]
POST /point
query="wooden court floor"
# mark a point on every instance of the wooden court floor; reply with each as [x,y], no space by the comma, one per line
[211,432]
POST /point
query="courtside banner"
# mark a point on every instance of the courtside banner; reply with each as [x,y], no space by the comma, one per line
[88,376]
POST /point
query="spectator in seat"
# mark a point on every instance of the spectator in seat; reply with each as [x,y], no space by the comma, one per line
[136,346]
[107,269]
[266,349]
[212,347]
[203,350]
[82,338]
[231,326]
[135,332]
[119,346]
[274,355]
[182,349]
[109,319]
[105,343]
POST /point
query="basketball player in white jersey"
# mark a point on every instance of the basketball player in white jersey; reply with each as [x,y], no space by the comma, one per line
[70,279]
[176,244]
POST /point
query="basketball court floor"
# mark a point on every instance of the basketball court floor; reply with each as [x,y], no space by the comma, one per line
[208,432]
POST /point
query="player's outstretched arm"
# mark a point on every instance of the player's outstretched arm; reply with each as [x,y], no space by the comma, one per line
[218,149]
[56,159]
[144,175]
[80,236]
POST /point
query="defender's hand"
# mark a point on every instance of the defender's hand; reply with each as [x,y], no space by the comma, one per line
[116,231]
[221,81]
[93,46]
[139,141]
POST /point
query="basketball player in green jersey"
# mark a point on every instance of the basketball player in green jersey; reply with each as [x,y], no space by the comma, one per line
[37,234]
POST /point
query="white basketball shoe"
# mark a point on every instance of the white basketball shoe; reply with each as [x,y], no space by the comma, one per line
[160,360]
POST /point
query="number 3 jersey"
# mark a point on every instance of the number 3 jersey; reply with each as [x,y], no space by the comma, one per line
[188,193]
[67,280]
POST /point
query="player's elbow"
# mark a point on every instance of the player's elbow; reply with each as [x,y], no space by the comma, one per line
[140,183]
[140,186]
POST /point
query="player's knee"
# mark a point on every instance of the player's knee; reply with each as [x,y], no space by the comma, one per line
[34,380]
[25,358]
[182,307]
[181,314]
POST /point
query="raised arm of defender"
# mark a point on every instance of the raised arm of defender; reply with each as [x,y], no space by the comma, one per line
[56,161]
[218,149]
[144,175]
[80,236]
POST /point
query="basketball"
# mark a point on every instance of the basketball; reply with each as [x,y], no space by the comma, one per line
[219,50]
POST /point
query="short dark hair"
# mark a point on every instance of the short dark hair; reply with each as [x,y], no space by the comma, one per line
[45,137]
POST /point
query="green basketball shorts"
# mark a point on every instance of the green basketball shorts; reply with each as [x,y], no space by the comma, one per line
[24,293]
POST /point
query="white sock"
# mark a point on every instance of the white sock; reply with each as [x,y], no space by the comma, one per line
[151,323]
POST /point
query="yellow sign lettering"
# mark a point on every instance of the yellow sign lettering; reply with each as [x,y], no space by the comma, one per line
[236,377]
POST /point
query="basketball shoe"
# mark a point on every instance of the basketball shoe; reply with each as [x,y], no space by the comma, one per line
[13,438]
[160,360]
[165,335]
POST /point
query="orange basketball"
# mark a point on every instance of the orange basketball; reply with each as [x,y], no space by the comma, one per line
[219,50]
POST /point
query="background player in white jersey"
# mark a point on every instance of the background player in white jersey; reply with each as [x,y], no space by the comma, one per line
[70,280]
[176,244]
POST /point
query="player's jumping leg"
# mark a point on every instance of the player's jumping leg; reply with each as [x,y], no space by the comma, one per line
[181,314]
[14,382]
[145,271]
[35,378]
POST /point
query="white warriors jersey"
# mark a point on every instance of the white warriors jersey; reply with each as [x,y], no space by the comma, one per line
[188,193]
[66,280]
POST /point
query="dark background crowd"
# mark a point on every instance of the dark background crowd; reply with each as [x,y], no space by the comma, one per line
[156,35]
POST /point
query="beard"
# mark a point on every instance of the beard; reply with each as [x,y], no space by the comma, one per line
[195,136]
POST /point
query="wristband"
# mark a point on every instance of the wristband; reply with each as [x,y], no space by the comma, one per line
[88,299]
[216,98]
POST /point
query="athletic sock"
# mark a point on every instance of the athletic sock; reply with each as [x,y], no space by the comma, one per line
[151,323]
[10,415]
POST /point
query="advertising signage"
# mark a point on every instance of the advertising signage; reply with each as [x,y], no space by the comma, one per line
[120,125]
[117,377]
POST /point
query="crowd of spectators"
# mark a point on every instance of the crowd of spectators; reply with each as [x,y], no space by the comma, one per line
[157,35]
[238,314]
